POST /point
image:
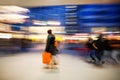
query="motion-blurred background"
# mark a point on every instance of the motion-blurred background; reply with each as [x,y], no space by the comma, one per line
[24,25]
[23,22]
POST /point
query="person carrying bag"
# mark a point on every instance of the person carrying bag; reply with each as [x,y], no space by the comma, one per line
[51,48]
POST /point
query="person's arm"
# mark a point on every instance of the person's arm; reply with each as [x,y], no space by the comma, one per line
[94,46]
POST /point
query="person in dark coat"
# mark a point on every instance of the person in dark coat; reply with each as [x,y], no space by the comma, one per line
[50,46]
[99,48]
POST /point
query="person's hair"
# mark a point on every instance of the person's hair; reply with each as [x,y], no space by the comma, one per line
[49,31]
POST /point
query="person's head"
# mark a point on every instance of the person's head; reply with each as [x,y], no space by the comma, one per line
[100,36]
[49,31]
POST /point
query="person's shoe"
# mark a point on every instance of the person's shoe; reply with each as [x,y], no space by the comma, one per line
[55,63]
[102,62]
[92,61]
[99,62]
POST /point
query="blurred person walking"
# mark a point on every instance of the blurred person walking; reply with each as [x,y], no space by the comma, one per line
[91,50]
[51,47]
[111,52]
[99,49]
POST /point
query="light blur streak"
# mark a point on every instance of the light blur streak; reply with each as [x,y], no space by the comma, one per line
[43,29]
[100,24]
[13,14]
[70,7]
[37,22]
[100,17]
[12,18]
[5,36]
[111,32]
[53,23]
[13,9]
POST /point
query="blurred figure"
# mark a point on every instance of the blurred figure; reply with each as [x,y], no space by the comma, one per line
[51,47]
[25,44]
[91,50]
[107,45]
[111,52]
[99,48]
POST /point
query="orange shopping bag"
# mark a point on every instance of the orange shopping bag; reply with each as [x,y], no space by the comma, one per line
[46,57]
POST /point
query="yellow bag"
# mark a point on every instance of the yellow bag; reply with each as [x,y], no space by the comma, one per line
[46,57]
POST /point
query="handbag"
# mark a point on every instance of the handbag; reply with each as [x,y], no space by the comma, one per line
[46,57]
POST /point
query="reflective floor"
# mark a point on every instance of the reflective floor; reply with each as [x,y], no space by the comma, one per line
[28,66]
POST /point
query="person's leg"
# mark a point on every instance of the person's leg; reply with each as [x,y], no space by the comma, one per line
[92,52]
[102,53]
[53,62]
[98,55]
[101,57]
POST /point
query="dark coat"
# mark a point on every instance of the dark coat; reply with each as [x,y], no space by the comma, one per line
[107,45]
[90,44]
[99,44]
[50,47]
